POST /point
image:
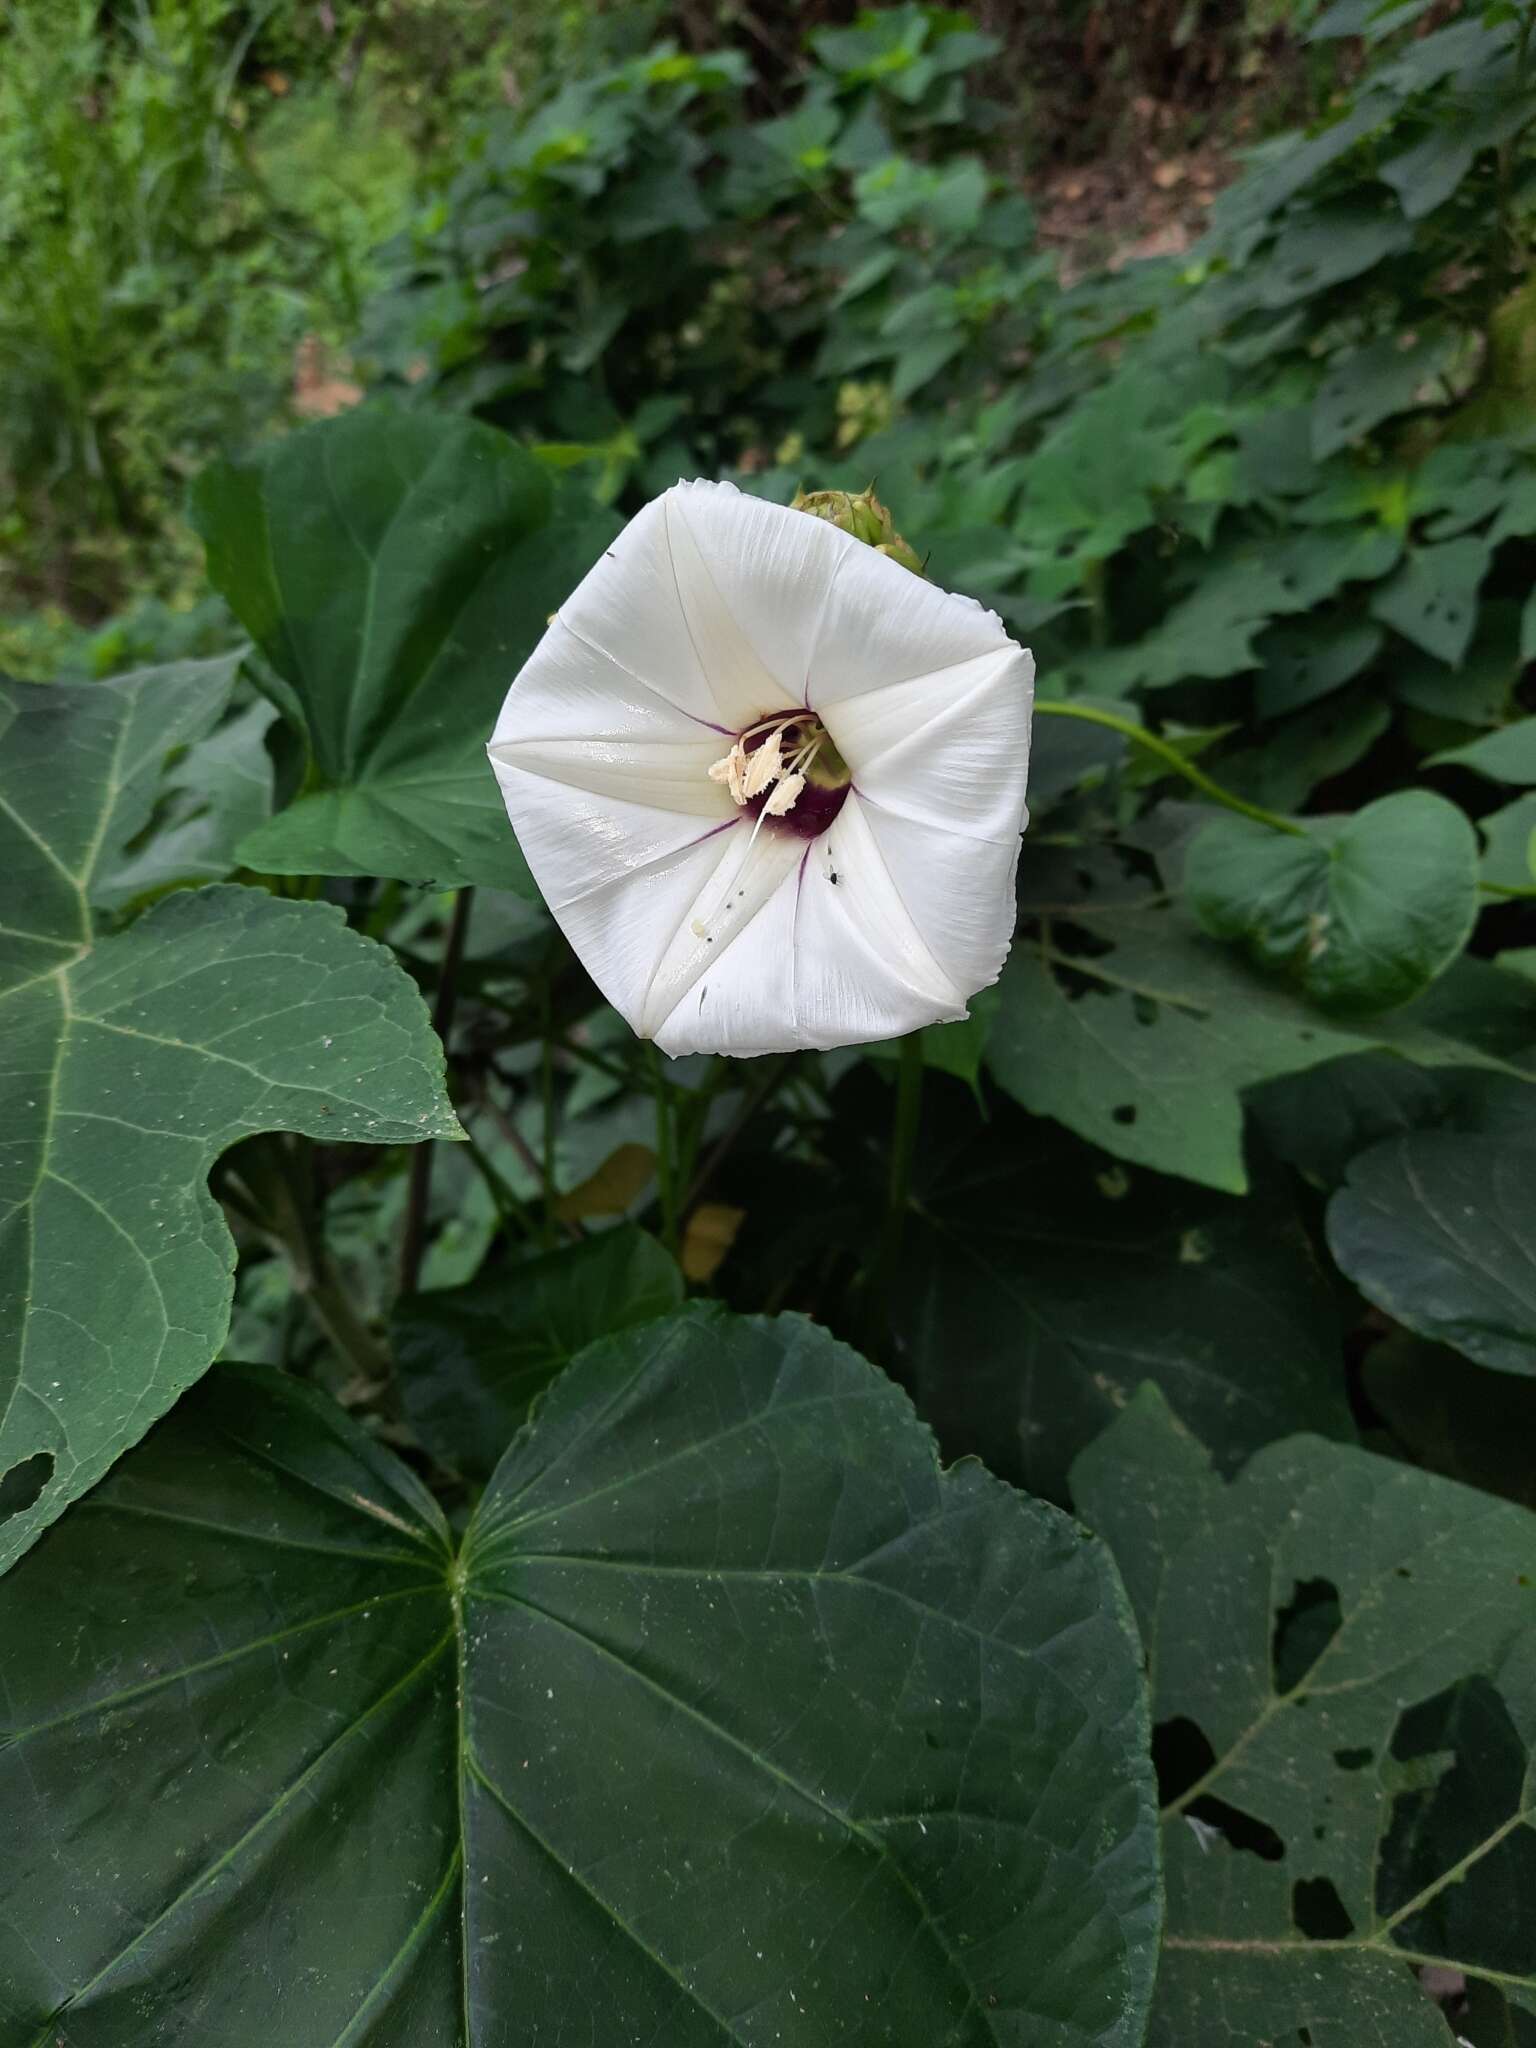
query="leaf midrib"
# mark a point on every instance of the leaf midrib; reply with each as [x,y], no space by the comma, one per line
[47,2037]
[1317,1953]
[859,1830]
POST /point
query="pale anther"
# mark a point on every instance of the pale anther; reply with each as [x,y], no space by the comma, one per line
[767,763]
[784,797]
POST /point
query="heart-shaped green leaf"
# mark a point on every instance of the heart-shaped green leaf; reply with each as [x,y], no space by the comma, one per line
[1344,1653]
[396,569]
[1362,911]
[128,1064]
[1439,1229]
[731,1719]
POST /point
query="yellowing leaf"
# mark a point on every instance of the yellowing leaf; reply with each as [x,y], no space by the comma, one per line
[709,1236]
[621,1179]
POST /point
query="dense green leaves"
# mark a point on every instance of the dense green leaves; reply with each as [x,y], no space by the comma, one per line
[1042,1283]
[130,1062]
[1439,1229]
[1343,1656]
[474,1359]
[731,1718]
[1362,911]
[693,1702]
[1363,389]
[1144,1041]
[395,569]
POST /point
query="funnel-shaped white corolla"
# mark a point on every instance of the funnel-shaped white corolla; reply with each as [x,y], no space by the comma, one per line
[770,782]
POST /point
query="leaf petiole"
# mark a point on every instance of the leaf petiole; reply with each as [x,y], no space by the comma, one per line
[1056,707]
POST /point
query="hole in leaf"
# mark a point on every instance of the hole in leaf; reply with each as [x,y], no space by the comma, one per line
[1124,1113]
[1462,1766]
[1304,2036]
[1318,1911]
[1181,1756]
[1241,1830]
[22,1485]
[1353,1759]
[1304,1628]
[1076,940]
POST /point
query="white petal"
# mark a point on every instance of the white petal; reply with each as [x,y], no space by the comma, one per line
[884,625]
[619,910]
[950,749]
[959,892]
[692,599]
[576,840]
[743,1003]
[757,580]
[667,775]
[721,923]
[823,964]
[568,689]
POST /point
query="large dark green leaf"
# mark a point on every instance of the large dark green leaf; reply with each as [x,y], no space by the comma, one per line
[82,767]
[473,1359]
[183,791]
[1363,912]
[127,1065]
[1343,1653]
[213,795]
[1145,1043]
[395,569]
[1439,1229]
[732,1718]
[1041,1284]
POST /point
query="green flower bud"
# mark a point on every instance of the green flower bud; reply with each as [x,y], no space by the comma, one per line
[861,514]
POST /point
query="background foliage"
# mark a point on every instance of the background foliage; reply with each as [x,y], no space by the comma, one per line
[537,1605]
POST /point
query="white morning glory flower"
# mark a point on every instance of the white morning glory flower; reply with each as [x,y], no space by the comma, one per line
[770,782]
